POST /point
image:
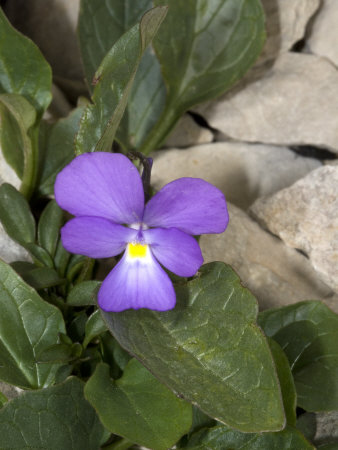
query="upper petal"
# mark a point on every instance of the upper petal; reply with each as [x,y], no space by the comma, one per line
[176,250]
[189,204]
[101,184]
[136,283]
[95,237]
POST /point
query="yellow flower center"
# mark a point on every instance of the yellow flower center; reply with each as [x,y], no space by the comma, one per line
[137,250]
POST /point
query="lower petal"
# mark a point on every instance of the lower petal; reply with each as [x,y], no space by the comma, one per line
[137,283]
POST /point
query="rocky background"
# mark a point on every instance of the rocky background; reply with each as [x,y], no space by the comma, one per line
[270,144]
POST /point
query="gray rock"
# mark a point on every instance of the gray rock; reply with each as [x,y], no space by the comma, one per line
[323,39]
[187,133]
[242,171]
[275,274]
[294,103]
[286,22]
[305,216]
[9,391]
[327,427]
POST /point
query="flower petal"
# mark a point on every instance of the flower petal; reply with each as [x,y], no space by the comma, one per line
[176,250]
[95,237]
[101,184]
[189,204]
[137,284]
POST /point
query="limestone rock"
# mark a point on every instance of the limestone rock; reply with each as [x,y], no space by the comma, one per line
[294,103]
[243,172]
[305,216]
[286,21]
[327,427]
[275,274]
[187,132]
[323,39]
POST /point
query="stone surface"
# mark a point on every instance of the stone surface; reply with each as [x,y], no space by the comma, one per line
[187,132]
[7,174]
[286,21]
[327,428]
[275,274]
[294,103]
[9,391]
[323,39]
[242,171]
[305,216]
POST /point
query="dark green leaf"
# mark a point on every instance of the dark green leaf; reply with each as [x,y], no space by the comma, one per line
[56,353]
[138,406]
[16,216]
[223,438]
[84,294]
[38,277]
[210,339]
[286,382]
[204,48]
[331,446]
[94,327]
[49,227]
[114,80]
[17,115]
[28,325]
[54,418]
[3,399]
[23,69]
[58,149]
[40,256]
[308,334]
[113,353]
[307,424]
[61,259]
[101,24]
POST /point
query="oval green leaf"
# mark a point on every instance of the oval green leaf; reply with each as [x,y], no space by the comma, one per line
[114,80]
[308,334]
[211,339]
[28,325]
[138,407]
[54,418]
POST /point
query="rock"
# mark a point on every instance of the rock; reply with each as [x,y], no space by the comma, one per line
[52,26]
[7,174]
[242,171]
[327,427]
[9,391]
[305,216]
[275,274]
[295,103]
[187,132]
[286,21]
[323,39]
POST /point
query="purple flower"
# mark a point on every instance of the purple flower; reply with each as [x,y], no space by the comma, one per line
[105,194]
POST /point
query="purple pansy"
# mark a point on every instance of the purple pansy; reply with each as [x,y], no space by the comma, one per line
[105,194]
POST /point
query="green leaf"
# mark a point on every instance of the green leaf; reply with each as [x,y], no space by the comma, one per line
[204,48]
[28,325]
[56,353]
[307,424]
[37,277]
[23,69]
[210,338]
[286,382]
[308,334]
[16,216]
[3,399]
[84,294]
[49,227]
[138,406]
[40,256]
[17,116]
[224,438]
[101,24]
[58,150]
[94,327]
[114,80]
[55,418]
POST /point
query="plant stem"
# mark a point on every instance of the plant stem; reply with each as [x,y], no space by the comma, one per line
[160,131]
